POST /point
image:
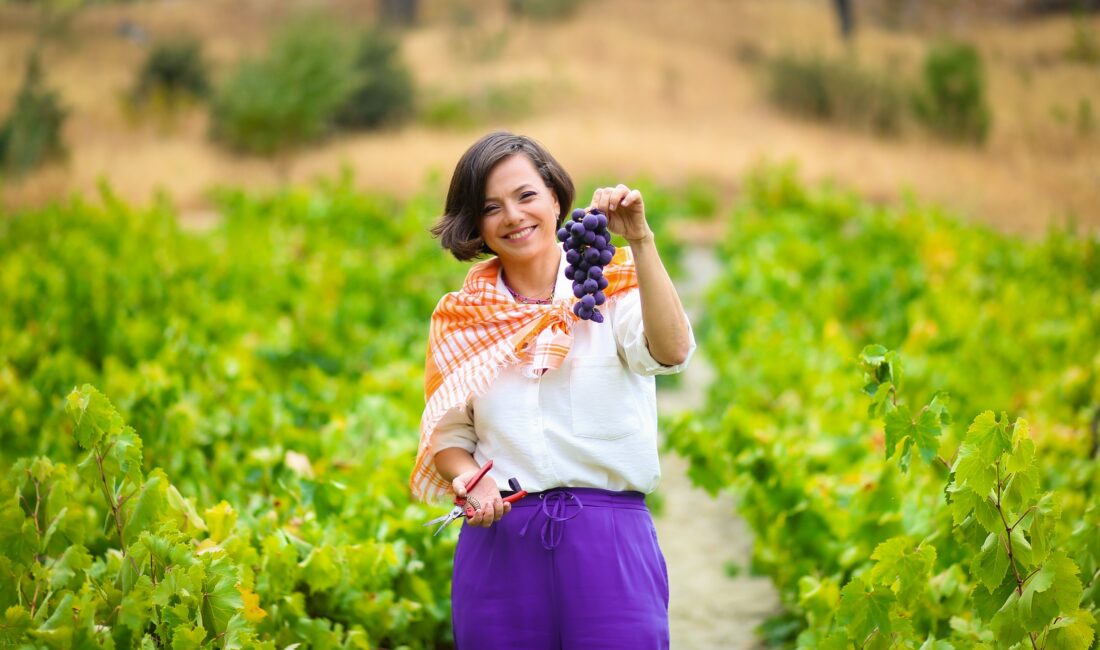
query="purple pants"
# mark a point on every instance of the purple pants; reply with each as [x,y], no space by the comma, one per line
[566,569]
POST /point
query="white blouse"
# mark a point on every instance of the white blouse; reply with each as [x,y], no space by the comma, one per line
[590,423]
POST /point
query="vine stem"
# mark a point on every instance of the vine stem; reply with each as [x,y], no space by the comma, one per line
[1008,548]
[116,507]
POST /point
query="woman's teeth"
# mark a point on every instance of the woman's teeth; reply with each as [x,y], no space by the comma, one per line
[520,234]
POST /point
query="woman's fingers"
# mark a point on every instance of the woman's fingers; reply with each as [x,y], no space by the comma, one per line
[607,199]
[617,194]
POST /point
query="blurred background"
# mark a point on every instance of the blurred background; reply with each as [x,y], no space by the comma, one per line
[987,106]
[214,224]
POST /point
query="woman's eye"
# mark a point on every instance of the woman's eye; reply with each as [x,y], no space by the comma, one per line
[526,195]
[490,208]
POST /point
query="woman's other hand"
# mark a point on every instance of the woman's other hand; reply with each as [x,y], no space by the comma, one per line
[625,212]
[487,495]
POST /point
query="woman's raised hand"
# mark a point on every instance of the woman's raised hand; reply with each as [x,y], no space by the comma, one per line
[492,506]
[625,211]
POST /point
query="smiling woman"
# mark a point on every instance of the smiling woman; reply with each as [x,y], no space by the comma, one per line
[564,405]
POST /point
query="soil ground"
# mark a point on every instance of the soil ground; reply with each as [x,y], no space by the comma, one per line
[701,535]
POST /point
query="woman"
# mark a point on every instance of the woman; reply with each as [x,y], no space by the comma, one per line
[566,406]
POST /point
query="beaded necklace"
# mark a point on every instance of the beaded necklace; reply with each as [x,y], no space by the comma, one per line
[530,301]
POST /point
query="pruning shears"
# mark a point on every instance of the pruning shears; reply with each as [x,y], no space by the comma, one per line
[468,505]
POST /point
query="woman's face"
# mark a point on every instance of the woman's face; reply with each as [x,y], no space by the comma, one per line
[520,212]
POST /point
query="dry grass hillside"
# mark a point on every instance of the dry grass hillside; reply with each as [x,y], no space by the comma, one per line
[665,88]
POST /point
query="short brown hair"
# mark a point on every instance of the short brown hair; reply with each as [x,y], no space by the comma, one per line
[458,228]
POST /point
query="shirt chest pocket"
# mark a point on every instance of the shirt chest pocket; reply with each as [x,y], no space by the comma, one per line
[602,399]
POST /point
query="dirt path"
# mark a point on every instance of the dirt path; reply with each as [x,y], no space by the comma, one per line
[700,534]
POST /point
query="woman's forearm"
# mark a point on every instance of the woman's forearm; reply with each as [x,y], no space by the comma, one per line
[666,326]
[452,461]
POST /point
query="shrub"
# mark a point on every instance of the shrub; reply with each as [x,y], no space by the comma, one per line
[1084,47]
[384,92]
[175,69]
[31,133]
[543,9]
[288,98]
[489,104]
[836,90]
[952,101]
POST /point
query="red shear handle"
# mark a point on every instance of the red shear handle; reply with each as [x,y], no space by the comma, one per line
[512,498]
[477,477]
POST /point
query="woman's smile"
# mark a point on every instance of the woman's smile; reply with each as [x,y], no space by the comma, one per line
[521,234]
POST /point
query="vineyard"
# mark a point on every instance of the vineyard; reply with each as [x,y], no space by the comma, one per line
[206,436]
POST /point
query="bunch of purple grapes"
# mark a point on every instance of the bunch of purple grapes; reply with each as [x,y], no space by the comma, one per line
[587,250]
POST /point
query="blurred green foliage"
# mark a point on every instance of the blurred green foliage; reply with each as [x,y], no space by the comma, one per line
[289,97]
[544,9]
[31,134]
[1084,43]
[861,545]
[174,69]
[256,419]
[951,101]
[489,105]
[837,89]
[384,91]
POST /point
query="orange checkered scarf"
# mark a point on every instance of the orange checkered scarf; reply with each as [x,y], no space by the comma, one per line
[478,331]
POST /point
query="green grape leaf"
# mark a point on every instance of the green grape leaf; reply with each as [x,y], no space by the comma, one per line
[17,622]
[149,507]
[1054,588]
[220,519]
[973,470]
[990,565]
[897,424]
[1071,632]
[93,415]
[926,432]
[989,436]
[123,458]
[187,518]
[864,608]
[188,636]
[1007,623]
[220,598]
[988,604]
[903,567]
[932,643]
[1021,550]
[136,608]
[1040,534]
[72,564]
[1022,455]
[18,538]
[1020,489]
[322,569]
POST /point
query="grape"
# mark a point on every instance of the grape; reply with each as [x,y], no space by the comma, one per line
[588,249]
